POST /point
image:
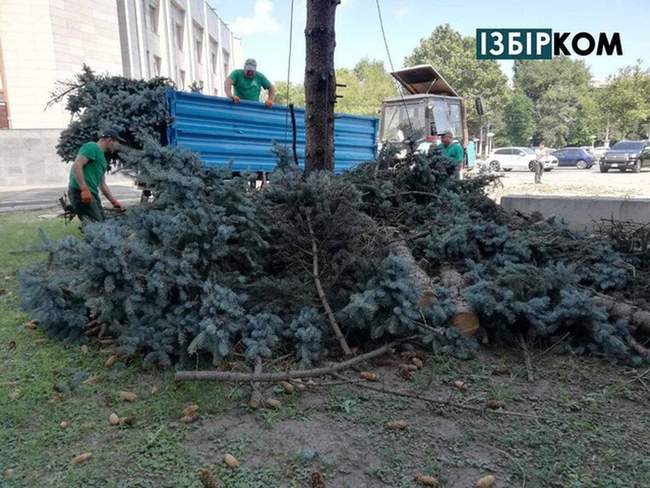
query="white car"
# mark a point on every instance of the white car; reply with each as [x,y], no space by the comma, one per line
[518,158]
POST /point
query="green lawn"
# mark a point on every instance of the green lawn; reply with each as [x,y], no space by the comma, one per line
[591,424]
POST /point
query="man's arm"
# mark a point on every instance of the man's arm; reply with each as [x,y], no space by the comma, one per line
[271,95]
[267,85]
[227,86]
[107,193]
[78,170]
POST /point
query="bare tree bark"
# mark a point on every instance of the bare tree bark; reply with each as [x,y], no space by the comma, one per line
[320,85]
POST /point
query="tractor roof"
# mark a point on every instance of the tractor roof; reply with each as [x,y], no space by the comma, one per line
[423,79]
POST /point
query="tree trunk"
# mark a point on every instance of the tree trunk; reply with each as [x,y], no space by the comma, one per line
[320,85]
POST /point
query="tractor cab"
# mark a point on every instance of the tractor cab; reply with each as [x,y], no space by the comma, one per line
[429,106]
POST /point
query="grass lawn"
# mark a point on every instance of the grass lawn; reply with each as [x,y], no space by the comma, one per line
[586,422]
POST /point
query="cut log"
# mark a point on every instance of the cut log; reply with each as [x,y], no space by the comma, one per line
[465,319]
[637,318]
[399,248]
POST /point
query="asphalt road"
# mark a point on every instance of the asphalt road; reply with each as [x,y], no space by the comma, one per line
[12,200]
[572,181]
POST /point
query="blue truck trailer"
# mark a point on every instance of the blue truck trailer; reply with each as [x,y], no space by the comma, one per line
[242,136]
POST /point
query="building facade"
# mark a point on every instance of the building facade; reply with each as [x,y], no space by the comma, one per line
[43,41]
[184,40]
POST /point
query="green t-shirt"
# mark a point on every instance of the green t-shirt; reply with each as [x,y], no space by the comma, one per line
[249,88]
[93,170]
[454,151]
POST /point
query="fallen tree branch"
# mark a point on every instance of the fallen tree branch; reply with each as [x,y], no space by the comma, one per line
[321,293]
[447,403]
[285,375]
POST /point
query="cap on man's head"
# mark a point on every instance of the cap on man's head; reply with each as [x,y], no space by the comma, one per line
[111,134]
[447,132]
[250,65]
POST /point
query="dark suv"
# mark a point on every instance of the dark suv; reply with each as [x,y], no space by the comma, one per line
[626,155]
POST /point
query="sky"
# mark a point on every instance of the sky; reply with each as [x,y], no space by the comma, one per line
[263,26]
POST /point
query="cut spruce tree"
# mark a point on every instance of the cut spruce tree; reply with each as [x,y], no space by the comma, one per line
[320,265]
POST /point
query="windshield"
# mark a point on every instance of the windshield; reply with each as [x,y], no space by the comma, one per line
[527,150]
[448,116]
[628,146]
[398,120]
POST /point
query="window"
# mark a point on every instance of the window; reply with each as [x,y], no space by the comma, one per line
[156,65]
[181,78]
[179,36]
[199,50]
[226,63]
[213,63]
[153,17]
[501,151]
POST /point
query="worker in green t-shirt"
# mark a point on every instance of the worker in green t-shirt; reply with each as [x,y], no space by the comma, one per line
[87,176]
[248,84]
[452,149]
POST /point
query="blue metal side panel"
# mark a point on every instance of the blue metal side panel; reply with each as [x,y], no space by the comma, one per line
[243,135]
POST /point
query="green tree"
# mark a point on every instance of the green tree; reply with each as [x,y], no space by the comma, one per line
[518,117]
[625,102]
[535,78]
[454,56]
[296,94]
[564,108]
[366,87]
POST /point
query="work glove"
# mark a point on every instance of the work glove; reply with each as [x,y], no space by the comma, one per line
[235,99]
[269,103]
[86,196]
[118,206]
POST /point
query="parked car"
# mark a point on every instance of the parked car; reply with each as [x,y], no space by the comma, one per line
[575,156]
[598,151]
[522,158]
[626,155]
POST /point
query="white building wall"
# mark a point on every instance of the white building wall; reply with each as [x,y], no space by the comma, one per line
[44,41]
[48,40]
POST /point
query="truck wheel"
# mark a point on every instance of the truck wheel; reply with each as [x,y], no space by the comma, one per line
[581,164]
[494,165]
[603,169]
[637,167]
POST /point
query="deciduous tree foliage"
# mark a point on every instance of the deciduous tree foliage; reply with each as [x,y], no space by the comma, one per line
[625,103]
[213,267]
[564,110]
[367,86]
[454,56]
[519,119]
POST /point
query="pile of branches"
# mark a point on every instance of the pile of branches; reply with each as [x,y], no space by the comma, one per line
[136,108]
[320,265]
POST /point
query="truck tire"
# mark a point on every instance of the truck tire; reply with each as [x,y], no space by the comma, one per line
[494,166]
[637,166]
